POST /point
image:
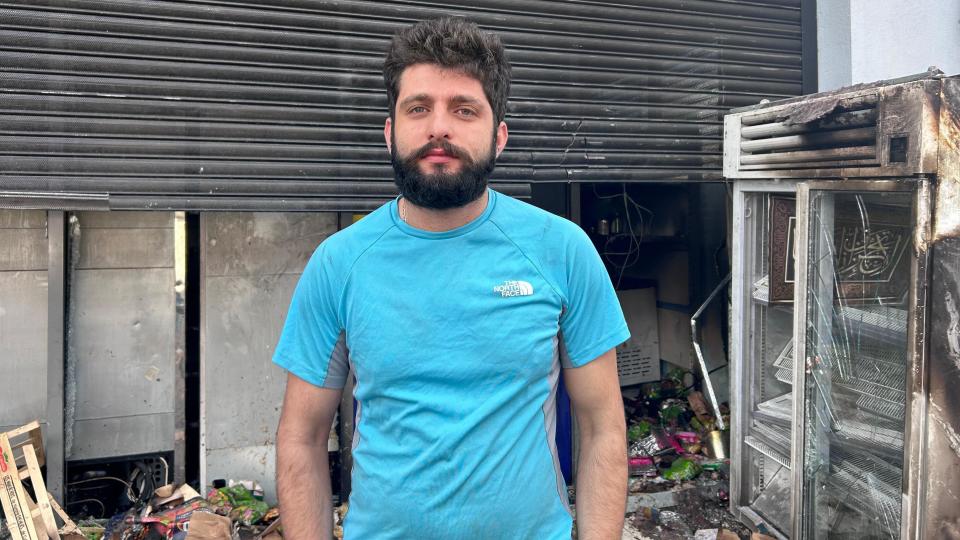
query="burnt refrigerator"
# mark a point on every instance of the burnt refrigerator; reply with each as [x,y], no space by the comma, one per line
[845,332]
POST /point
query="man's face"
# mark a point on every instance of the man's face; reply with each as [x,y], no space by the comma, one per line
[442,139]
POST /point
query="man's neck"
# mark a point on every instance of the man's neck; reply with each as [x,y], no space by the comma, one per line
[428,219]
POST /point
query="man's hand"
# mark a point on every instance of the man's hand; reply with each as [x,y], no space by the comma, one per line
[303,471]
[602,466]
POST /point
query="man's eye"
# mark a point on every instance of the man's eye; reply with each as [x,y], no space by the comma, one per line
[418,109]
[467,112]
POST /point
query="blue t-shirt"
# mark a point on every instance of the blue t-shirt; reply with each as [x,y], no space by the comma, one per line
[457,339]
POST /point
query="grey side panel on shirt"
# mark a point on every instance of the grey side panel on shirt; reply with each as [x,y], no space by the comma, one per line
[550,420]
[356,421]
[339,365]
[358,413]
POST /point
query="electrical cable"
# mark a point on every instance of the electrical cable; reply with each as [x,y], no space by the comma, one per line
[632,254]
[103,508]
[97,479]
[634,242]
[130,494]
[142,477]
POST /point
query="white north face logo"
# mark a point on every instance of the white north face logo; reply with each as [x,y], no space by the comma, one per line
[514,288]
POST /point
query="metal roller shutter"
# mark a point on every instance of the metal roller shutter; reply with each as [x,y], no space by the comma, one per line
[279,105]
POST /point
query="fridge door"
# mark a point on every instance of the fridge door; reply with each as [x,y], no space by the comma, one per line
[762,352]
[855,273]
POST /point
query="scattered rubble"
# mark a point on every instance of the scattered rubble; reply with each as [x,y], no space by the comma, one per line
[230,511]
[235,510]
[678,486]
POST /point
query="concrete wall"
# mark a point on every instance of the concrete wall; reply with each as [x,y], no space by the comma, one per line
[869,40]
[251,263]
[23,317]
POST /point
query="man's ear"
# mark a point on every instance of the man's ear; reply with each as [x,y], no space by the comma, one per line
[502,135]
[387,130]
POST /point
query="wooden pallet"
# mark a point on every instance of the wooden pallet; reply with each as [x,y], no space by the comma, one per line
[21,456]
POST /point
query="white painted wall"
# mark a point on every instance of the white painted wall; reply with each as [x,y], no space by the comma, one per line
[869,40]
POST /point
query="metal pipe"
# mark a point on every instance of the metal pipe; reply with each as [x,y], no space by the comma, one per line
[696,347]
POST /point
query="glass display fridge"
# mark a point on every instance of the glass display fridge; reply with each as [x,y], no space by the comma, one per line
[845,331]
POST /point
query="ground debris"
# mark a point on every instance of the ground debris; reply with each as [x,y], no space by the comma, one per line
[678,464]
[228,512]
[698,506]
[631,533]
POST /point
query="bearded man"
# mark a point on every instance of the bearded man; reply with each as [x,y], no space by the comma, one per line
[456,307]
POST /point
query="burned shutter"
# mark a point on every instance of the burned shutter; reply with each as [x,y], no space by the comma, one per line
[279,105]
[636,91]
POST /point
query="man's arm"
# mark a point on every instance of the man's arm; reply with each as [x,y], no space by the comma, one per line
[602,466]
[303,471]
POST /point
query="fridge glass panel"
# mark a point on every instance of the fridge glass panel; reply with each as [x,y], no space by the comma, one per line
[858,263]
[766,479]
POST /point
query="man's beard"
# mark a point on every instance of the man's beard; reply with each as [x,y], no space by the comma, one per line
[441,190]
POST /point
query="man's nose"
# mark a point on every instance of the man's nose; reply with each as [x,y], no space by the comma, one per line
[440,126]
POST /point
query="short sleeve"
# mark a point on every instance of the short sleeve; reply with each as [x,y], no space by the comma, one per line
[312,344]
[592,321]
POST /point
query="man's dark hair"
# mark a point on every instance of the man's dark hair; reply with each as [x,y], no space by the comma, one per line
[452,43]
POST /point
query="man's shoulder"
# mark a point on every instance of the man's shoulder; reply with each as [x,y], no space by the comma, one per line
[345,246]
[532,226]
[550,242]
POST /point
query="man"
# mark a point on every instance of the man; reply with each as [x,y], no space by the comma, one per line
[456,308]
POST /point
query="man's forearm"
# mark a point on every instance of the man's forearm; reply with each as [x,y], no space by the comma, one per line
[303,487]
[601,486]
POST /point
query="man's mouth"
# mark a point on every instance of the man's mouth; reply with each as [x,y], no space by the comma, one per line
[438,155]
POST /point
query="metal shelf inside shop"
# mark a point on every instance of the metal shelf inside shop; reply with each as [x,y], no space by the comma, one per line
[876,398]
[770,440]
[784,364]
[875,375]
[874,379]
[882,324]
[779,410]
[861,430]
[865,483]
[761,290]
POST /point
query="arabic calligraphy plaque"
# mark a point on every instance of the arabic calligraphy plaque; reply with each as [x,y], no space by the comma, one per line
[783,212]
[870,244]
